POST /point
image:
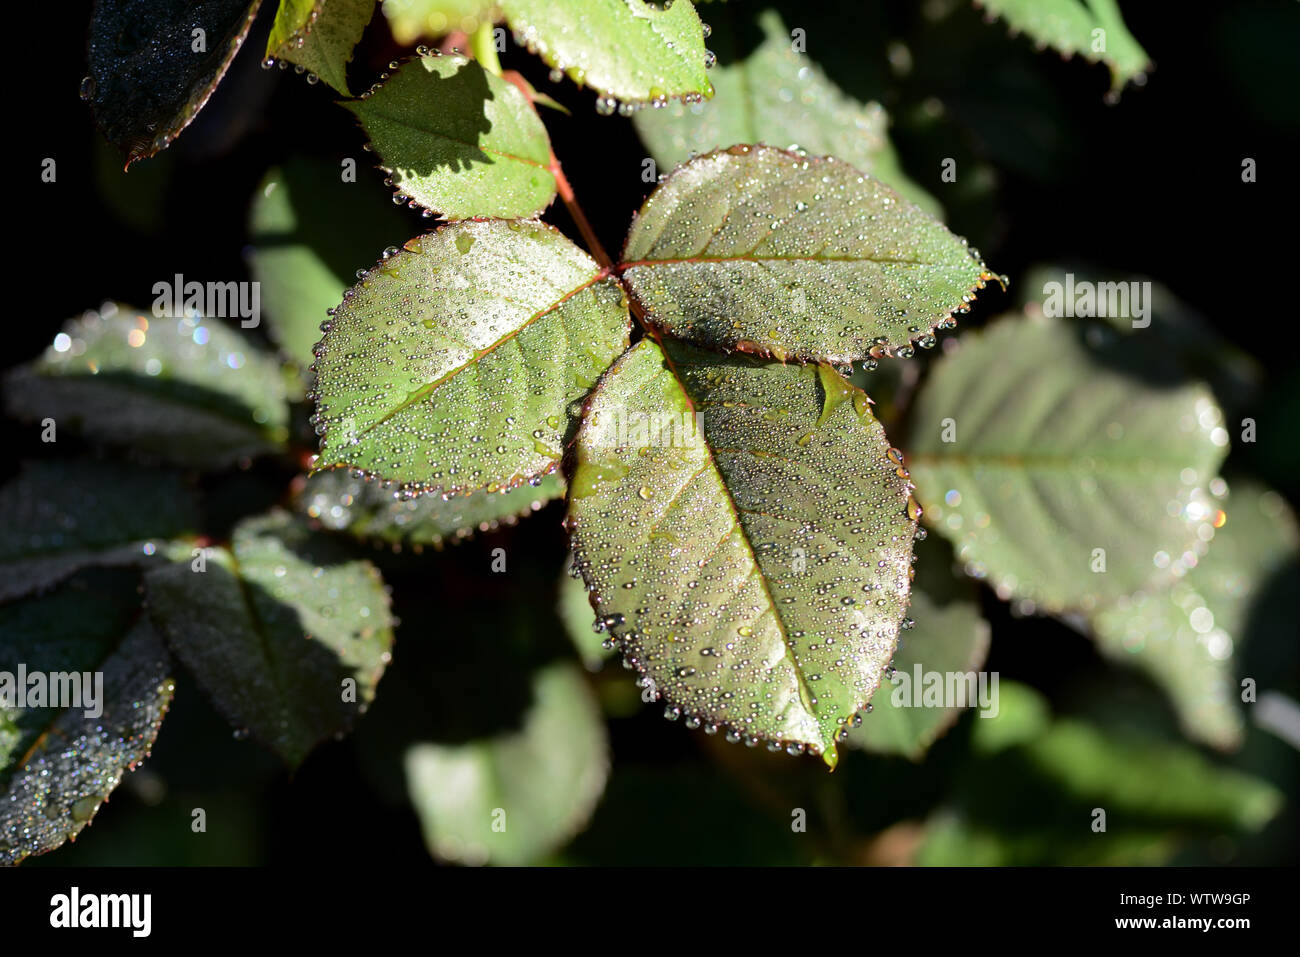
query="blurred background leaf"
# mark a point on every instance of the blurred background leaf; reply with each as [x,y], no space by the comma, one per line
[1033,798]
[1186,638]
[1053,472]
[412,20]
[303,261]
[183,389]
[515,798]
[769,93]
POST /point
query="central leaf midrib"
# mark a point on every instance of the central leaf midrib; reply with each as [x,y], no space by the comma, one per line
[259,626]
[478,355]
[805,693]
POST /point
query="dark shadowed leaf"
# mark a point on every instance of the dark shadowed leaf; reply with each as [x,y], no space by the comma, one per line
[187,390]
[366,509]
[782,98]
[451,365]
[459,140]
[59,764]
[756,570]
[793,256]
[516,797]
[154,63]
[625,49]
[1059,475]
[286,631]
[1186,638]
[319,35]
[57,517]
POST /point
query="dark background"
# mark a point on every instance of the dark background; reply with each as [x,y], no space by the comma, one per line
[1048,172]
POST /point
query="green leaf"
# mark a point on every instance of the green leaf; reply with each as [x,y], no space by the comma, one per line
[950,638]
[57,765]
[625,49]
[783,516]
[186,390]
[1185,638]
[772,252]
[57,517]
[300,257]
[780,97]
[319,36]
[1163,322]
[459,140]
[286,631]
[1060,450]
[517,797]
[147,81]
[451,365]
[1032,802]
[580,621]
[369,511]
[1078,26]
[410,20]
[1023,715]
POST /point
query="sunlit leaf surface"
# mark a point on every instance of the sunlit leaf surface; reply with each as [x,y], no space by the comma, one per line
[626,49]
[756,570]
[459,140]
[319,36]
[451,366]
[771,252]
